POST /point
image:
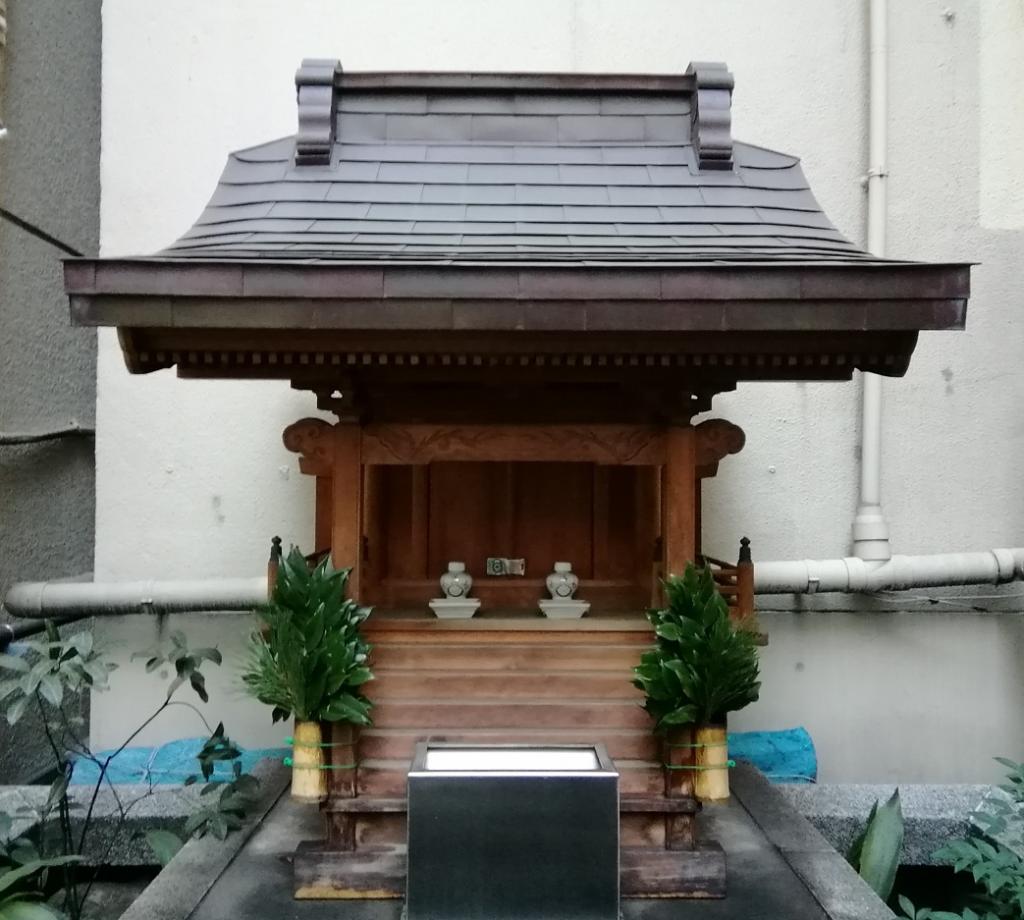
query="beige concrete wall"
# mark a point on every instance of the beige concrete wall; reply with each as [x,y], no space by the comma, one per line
[192,478]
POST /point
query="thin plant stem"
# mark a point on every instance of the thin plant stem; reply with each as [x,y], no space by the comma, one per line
[71,901]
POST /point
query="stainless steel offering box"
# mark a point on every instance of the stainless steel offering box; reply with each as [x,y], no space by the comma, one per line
[516,832]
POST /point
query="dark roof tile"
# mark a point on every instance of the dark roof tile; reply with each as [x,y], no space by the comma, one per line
[454,171]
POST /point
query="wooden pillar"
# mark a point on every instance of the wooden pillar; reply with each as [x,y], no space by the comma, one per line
[678,504]
[347,498]
[322,514]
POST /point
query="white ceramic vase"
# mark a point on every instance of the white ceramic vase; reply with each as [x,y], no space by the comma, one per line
[456,583]
[562,583]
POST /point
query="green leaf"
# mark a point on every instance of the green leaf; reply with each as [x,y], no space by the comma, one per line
[58,789]
[199,685]
[164,844]
[13,663]
[668,631]
[7,687]
[82,643]
[853,854]
[9,879]
[17,709]
[907,906]
[51,689]
[210,654]
[28,910]
[883,847]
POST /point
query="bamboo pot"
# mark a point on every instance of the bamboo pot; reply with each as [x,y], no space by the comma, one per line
[711,759]
[309,778]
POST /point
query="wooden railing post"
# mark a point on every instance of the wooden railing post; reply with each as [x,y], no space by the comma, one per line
[273,566]
[745,583]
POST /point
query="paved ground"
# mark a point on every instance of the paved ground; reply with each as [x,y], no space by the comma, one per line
[780,868]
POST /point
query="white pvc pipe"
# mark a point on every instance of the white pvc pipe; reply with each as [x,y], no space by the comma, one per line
[900,573]
[57,599]
[870,531]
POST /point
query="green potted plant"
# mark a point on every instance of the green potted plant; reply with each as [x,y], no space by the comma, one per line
[310,660]
[703,667]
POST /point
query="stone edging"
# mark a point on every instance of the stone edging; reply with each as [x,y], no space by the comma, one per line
[830,880]
[178,890]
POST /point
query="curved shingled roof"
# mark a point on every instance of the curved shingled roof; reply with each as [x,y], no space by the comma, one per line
[457,169]
[423,221]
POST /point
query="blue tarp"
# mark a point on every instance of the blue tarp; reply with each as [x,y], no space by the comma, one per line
[173,762]
[784,757]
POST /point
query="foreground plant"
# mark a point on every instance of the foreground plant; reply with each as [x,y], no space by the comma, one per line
[23,875]
[49,674]
[877,850]
[995,865]
[702,667]
[310,661]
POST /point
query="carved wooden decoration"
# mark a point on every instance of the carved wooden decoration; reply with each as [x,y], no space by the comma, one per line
[715,440]
[607,444]
[313,440]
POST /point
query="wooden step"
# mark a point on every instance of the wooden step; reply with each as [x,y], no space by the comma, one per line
[366,804]
[379,873]
[519,656]
[502,687]
[652,872]
[386,825]
[388,778]
[446,715]
[521,631]
[636,829]
[397,743]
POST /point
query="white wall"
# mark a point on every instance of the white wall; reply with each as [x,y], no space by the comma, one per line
[192,478]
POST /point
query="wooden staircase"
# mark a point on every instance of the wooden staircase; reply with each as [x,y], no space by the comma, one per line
[504,681]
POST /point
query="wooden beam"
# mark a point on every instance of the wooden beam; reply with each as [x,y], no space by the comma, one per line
[679,511]
[347,497]
[609,444]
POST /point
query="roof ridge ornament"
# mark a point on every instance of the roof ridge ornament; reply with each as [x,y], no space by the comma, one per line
[316,86]
[711,114]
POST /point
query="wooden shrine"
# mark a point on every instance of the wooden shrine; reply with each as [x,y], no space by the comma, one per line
[515,296]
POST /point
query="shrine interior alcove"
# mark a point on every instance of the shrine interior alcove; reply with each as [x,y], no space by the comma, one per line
[603,519]
[592,495]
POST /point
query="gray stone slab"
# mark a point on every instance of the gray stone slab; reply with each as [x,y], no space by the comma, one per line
[932,814]
[111,841]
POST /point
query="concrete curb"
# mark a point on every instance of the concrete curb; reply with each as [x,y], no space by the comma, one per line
[842,894]
[178,890]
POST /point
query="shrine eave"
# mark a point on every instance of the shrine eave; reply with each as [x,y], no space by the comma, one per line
[710,297]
